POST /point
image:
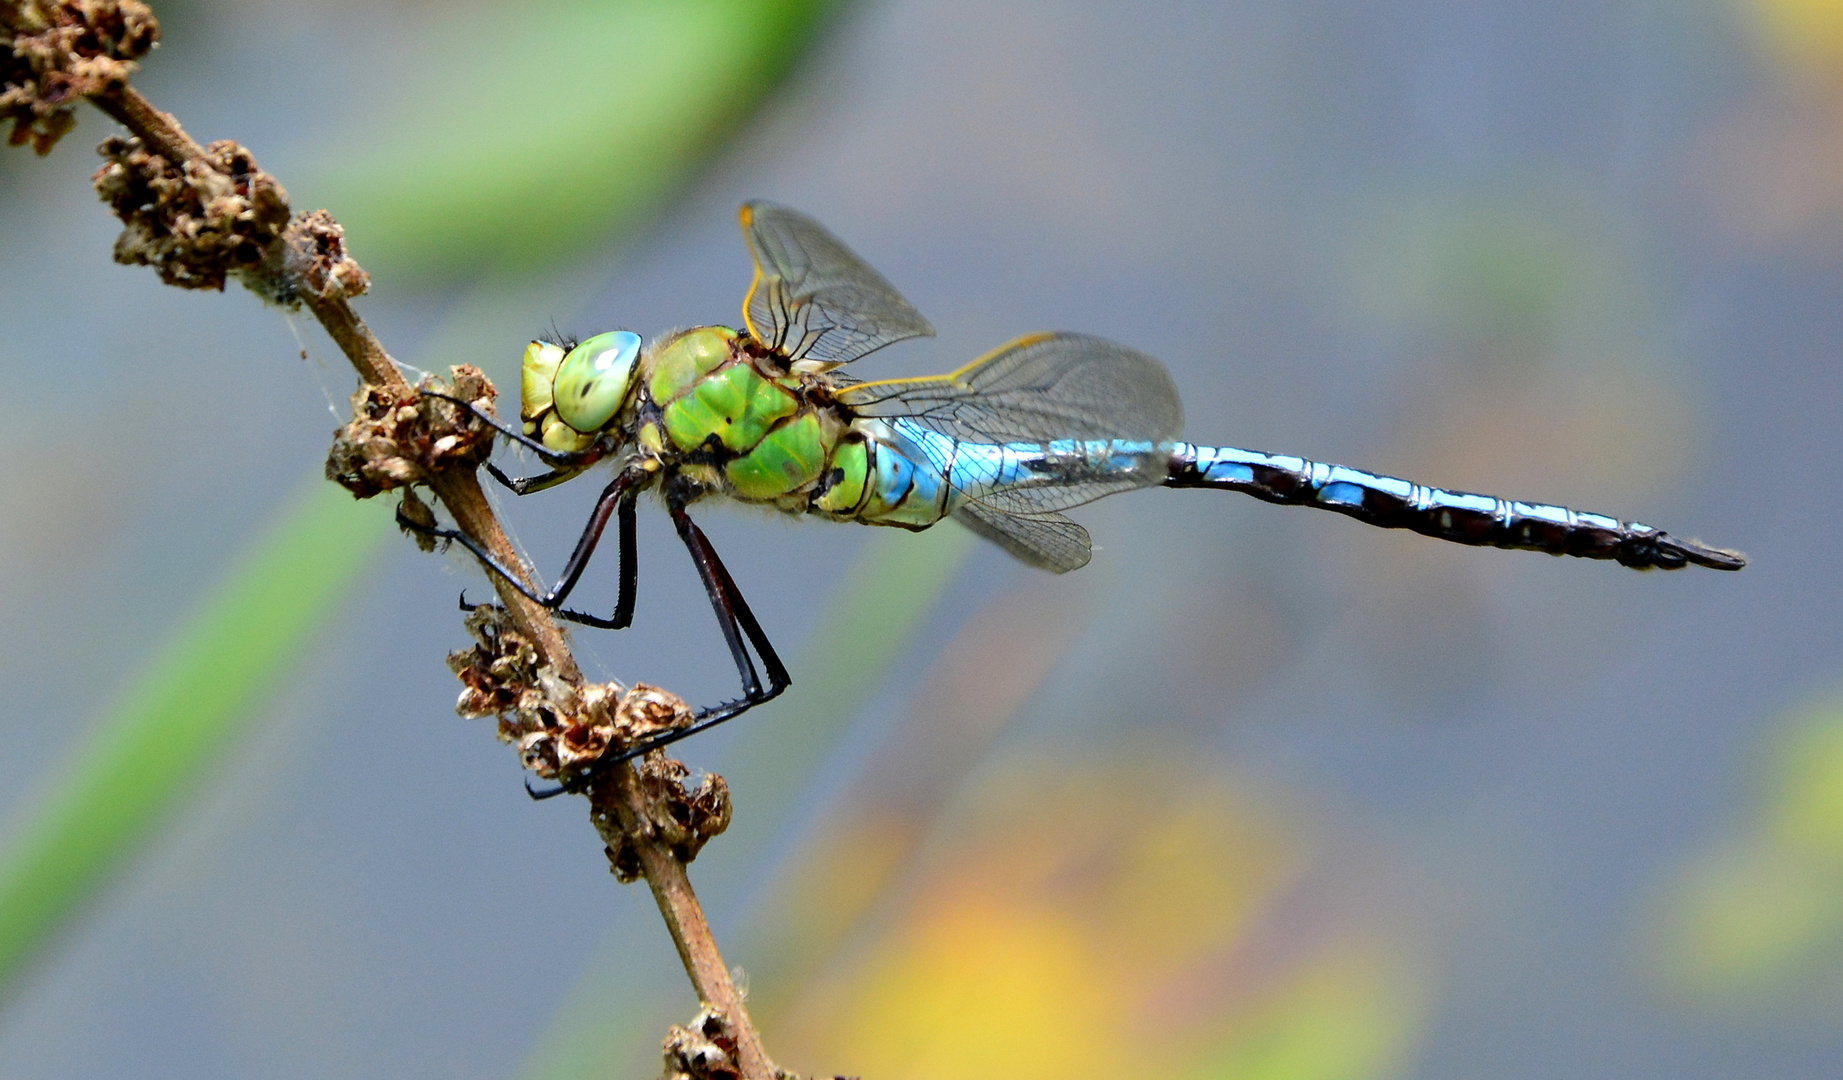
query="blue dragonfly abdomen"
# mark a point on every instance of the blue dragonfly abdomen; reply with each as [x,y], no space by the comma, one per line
[1481,520]
[1052,421]
[923,476]
[920,476]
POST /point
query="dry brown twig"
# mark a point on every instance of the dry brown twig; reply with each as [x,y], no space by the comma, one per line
[201,215]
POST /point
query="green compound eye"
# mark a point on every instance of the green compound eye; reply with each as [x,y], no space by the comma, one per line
[594,379]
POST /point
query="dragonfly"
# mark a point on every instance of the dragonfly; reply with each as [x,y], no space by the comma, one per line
[766,415]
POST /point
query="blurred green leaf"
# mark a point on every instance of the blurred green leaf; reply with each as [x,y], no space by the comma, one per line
[1754,924]
[1355,1018]
[595,113]
[175,722]
[1806,811]
[1529,263]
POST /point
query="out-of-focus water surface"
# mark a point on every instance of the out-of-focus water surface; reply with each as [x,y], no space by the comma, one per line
[1258,793]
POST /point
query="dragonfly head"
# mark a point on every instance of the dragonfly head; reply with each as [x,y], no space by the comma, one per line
[567,398]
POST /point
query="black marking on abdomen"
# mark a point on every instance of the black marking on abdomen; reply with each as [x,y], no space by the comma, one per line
[1480,520]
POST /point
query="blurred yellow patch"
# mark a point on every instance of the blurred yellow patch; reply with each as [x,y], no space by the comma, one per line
[977,987]
[1806,813]
[1807,34]
[1088,921]
[1749,920]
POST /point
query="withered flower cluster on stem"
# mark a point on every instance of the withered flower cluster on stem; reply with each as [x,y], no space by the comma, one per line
[399,436]
[63,53]
[201,216]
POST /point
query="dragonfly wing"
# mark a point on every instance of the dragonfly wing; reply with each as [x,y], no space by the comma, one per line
[1039,388]
[1048,497]
[1036,391]
[1049,541]
[814,299]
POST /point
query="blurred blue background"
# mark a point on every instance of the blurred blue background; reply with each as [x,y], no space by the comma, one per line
[1257,793]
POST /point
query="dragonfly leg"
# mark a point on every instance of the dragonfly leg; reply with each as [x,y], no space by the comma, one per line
[486,557]
[630,566]
[526,485]
[560,459]
[738,623]
[564,463]
[619,495]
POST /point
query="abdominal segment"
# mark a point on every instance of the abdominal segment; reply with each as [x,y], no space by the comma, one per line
[913,477]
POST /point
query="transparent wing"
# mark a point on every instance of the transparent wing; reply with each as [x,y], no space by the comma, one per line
[1039,495]
[1032,478]
[812,298]
[1049,541]
[1039,388]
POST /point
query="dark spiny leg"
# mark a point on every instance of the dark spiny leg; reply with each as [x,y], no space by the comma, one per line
[553,458]
[616,494]
[630,565]
[623,617]
[736,620]
[525,485]
[486,557]
[705,558]
[564,464]
[778,678]
[733,614]
[540,794]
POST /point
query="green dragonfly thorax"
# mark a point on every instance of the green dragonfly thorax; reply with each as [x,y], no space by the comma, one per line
[706,404]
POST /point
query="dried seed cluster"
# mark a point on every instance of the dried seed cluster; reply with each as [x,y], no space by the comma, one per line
[400,437]
[684,817]
[61,53]
[198,222]
[560,730]
[703,1050]
[316,261]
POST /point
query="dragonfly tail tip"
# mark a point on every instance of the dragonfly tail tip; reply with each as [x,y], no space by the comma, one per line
[1701,554]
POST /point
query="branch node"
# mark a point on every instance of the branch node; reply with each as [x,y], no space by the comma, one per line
[55,54]
[315,260]
[401,437]
[198,222]
[706,1049]
[563,731]
[669,811]
[703,1050]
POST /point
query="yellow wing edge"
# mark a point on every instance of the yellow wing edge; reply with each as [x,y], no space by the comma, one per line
[746,219]
[957,374]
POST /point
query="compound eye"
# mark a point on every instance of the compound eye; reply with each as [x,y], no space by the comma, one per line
[594,379]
